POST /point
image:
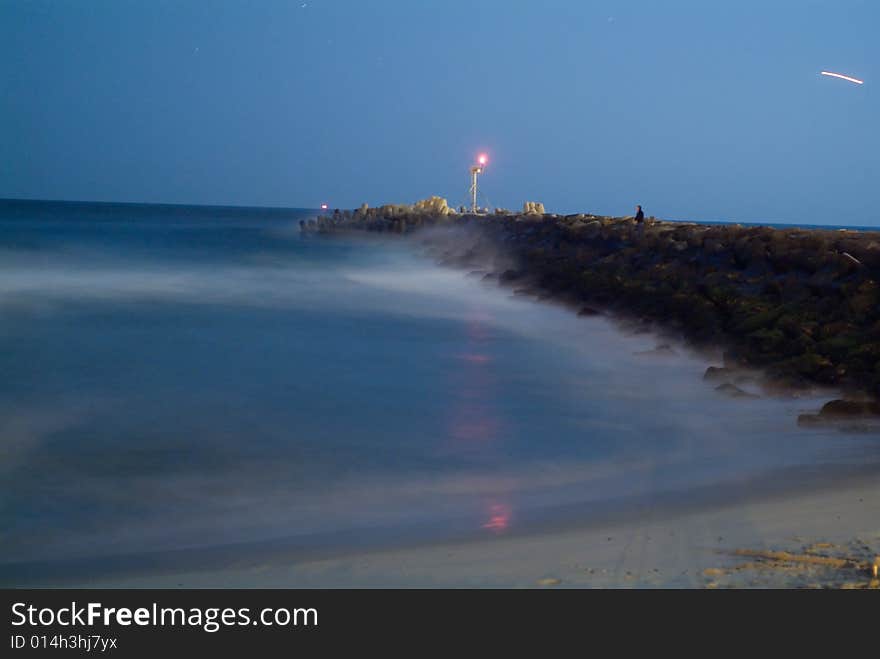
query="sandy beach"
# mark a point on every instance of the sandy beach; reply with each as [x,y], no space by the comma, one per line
[827,537]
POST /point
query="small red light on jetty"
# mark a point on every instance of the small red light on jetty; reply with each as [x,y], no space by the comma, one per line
[482,159]
[324,207]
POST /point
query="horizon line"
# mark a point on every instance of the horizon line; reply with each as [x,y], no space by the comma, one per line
[318,210]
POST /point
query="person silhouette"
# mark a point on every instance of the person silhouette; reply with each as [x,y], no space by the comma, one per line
[640,221]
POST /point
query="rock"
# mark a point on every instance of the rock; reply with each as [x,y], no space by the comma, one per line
[718,373]
[733,391]
[432,205]
[786,387]
[851,416]
[848,409]
[588,311]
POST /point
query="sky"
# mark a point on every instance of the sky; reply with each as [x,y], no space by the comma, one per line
[696,109]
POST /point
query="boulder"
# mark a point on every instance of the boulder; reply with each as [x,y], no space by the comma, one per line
[733,391]
[510,275]
[719,373]
[849,409]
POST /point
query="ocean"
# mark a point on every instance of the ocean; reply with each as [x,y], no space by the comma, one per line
[186,384]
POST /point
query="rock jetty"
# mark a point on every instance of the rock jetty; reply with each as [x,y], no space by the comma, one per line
[800,305]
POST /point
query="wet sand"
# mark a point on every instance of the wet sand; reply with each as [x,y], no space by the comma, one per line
[732,541]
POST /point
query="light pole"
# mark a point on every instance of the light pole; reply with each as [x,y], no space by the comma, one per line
[476,170]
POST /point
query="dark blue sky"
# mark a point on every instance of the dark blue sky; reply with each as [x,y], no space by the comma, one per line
[697,109]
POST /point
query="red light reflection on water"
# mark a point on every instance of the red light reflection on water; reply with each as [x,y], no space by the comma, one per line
[472,419]
[499,518]
[475,426]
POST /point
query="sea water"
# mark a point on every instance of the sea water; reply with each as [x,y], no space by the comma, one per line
[180,378]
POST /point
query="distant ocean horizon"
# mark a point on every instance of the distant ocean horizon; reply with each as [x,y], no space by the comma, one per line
[317,211]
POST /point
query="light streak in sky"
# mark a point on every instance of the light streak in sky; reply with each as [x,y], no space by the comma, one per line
[843,77]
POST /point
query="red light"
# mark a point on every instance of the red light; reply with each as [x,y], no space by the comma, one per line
[483,159]
[499,518]
[324,207]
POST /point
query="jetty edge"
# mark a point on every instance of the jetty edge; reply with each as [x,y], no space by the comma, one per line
[800,305]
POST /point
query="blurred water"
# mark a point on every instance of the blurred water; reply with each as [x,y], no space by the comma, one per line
[181,377]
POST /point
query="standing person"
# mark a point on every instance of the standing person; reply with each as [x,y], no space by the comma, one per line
[640,221]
